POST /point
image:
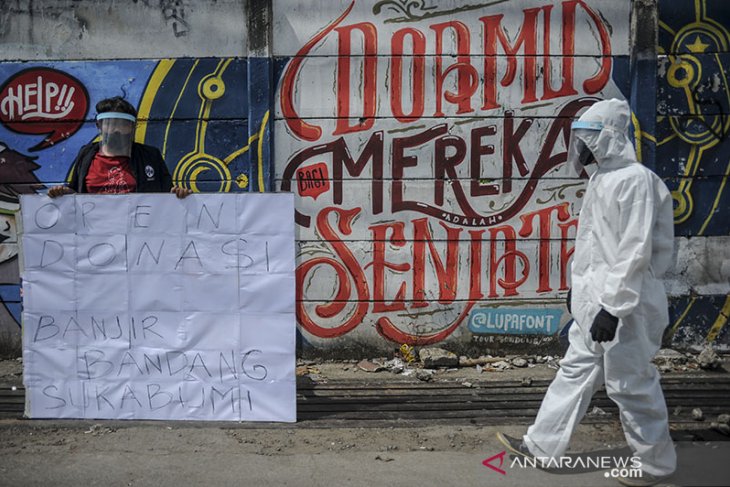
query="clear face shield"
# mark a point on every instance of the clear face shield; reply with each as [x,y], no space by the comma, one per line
[117,133]
[581,135]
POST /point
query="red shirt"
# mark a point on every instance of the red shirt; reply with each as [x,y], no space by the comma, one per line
[110,175]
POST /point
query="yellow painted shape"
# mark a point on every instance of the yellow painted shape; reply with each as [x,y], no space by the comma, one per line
[720,322]
[698,46]
[683,316]
[242,150]
[261,151]
[637,136]
[150,92]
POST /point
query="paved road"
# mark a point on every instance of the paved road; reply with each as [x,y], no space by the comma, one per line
[341,450]
[161,454]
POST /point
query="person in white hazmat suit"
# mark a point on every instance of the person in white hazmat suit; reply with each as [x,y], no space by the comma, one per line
[623,247]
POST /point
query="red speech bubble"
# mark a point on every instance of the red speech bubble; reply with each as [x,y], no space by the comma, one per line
[43,101]
[313,180]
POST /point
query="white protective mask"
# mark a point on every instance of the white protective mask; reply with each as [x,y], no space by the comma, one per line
[583,135]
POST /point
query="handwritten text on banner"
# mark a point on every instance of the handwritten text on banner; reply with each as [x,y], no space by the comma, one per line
[151,307]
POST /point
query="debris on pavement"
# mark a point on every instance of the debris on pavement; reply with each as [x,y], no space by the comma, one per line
[669,357]
[480,361]
[697,414]
[396,366]
[596,411]
[708,359]
[502,365]
[303,370]
[721,428]
[371,366]
[408,353]
[519,362]
[722,424]
[434,357]
[668,360]
[425,375]
[552,362]
[98,429]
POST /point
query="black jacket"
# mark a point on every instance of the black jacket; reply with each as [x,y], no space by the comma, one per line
[147,165]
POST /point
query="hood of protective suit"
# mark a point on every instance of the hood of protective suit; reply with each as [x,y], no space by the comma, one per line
[611,146]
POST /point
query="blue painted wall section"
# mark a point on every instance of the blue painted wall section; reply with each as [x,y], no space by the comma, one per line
[692,149]
[198,117]
[208,116]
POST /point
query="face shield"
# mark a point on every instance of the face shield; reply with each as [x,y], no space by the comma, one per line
[582,136]
[117,133]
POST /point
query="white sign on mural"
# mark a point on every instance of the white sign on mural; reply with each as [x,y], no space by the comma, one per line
[151,307]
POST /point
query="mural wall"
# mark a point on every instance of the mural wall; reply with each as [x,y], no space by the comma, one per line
[195,110]
[693,155]
[424,141]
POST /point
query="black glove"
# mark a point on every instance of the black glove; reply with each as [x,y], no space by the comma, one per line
[604,326]
[567,300]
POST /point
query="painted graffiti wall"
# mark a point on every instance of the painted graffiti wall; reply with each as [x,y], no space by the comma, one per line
[61,58]
[693,155]
[194,110]
[424,141]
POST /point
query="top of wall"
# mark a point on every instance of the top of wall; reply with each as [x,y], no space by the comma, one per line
[313,27]
[119,29]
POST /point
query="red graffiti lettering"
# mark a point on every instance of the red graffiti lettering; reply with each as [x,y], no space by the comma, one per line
[449,153]
[370,73]
[349,265]
[302,129]
[525,60]
[458,278]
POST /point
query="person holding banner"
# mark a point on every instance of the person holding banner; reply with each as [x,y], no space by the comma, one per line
[116,164]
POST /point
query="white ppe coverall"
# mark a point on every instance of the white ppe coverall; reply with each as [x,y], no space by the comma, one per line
[623,247]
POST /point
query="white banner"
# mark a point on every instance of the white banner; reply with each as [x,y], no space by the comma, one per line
[146,306]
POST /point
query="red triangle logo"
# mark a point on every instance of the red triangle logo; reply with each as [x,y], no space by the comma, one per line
[488,462]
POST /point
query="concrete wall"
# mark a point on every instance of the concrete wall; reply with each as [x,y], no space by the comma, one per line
[122,29]
[424,142]
[434,205]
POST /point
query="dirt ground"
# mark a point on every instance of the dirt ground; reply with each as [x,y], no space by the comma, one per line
[11,371]
[319,453]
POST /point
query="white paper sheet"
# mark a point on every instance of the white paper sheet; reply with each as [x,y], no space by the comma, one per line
[150,307]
